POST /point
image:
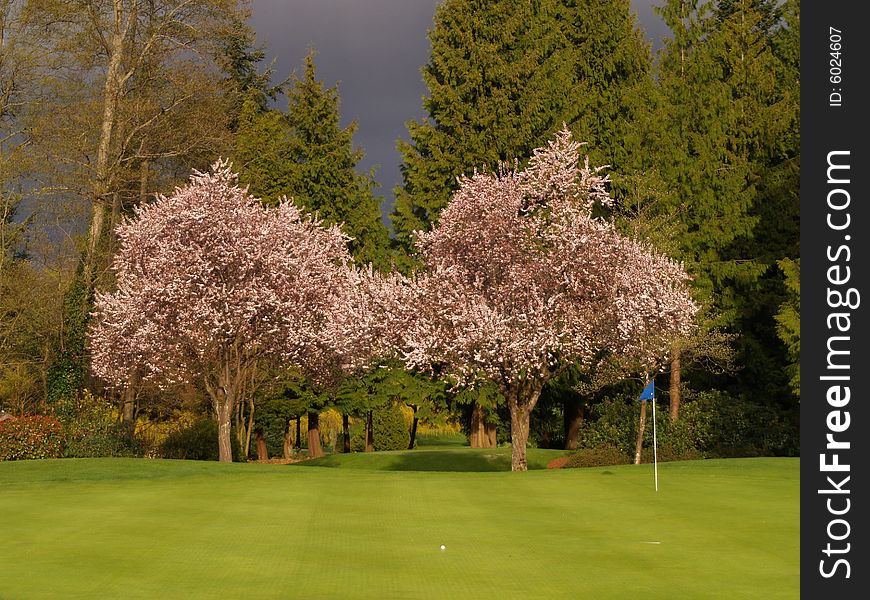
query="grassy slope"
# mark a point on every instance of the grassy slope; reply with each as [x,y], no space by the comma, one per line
[119,528]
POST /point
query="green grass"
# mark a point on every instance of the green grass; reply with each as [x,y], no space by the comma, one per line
[127,528]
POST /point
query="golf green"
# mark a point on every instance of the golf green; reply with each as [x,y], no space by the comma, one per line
[131,528]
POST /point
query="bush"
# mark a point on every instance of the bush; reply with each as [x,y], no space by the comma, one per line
[600,456]
[197,441]
[31,437]
[668,453]
[389,430]
[727,426]
[711,424]
[92,428]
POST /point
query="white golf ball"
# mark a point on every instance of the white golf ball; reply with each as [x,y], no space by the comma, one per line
[443,547]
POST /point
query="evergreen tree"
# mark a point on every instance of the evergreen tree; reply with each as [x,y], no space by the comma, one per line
[503,76]
[306,154]
[721,130]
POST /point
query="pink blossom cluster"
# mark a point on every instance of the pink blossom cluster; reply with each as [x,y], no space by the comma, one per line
[209,281]
[522,279]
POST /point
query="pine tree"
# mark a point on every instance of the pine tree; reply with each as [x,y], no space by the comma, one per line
[306,154]
[503,76]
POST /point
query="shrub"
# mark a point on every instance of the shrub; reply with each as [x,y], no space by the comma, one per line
[196,441]
[600,456]
[668,453]
[727,426]
[712,423]
[31,437]
[389,430]
[92,428]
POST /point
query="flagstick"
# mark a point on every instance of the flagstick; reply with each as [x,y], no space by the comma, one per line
[655,458]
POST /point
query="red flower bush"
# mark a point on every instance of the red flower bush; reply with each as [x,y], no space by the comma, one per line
[31,437]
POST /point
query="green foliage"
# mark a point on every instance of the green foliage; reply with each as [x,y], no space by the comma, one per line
[389,430]
[503,76]
[728,426]
[599,456]
[789,321]
[197,441]
[306,155]
[31,437]
[92,428]
[66,375]
[711,424]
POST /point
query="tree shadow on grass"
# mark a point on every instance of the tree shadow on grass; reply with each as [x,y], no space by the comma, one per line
[452,461]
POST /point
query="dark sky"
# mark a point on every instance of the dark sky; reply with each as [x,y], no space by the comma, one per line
[373,50]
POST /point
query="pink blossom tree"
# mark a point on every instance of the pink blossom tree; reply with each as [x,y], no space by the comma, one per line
[360,329]
[211,286]
[522,281]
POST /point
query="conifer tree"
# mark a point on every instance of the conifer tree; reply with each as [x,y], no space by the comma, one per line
[305,154]
[720,131]
[503,77]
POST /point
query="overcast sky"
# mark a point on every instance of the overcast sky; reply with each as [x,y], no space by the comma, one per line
[373,50]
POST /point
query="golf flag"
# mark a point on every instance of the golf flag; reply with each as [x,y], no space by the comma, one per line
[649,392]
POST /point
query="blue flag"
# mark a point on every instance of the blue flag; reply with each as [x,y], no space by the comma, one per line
[649,391]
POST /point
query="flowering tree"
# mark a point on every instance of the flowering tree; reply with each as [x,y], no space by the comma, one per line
[211,285]
[522,281]
[357,331]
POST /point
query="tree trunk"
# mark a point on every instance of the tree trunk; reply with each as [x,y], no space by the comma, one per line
[483,433]
[315,450]
[639,447]
[288,442]
[674,390]
[111,98]
[128,409]
[521,401]
[490,432]
[573,419]
[413,428]
[250,428]
[345,433]
[223,409]
[262,451]
[298,433]
[370,436]
[475,428]
[128,404]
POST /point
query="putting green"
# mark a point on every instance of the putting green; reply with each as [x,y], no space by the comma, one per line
[128,528]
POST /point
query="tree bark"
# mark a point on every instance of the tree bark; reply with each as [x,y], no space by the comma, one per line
[674,389]
[111,98]
[483,433]
[475,427]
[128,408]
[370,438]
[223,409]
[490,433]
[345,433]
[521,401]
[315,450]
[299,433]
[639,446]
[262,451]
[573,419]
[288,442]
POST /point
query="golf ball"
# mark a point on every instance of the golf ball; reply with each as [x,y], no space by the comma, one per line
[443,547]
